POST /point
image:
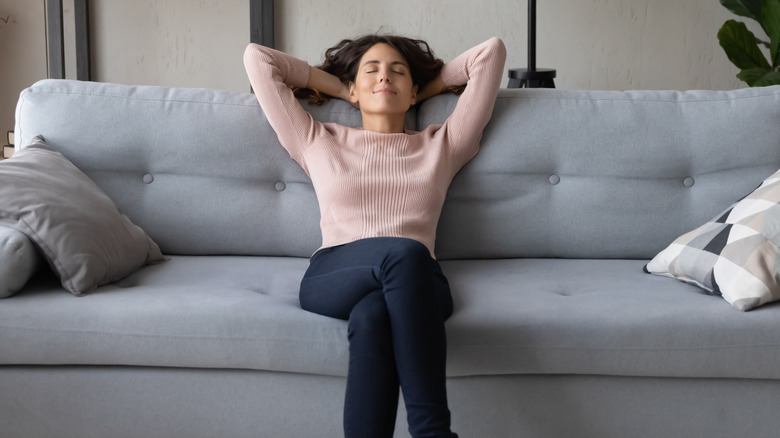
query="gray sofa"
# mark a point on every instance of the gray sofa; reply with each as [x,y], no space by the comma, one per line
[557,330]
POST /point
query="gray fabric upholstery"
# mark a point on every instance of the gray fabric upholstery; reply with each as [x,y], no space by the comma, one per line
[520,316]
[18,261]
[543,238]
[115,402]
[632,170]
[604,174]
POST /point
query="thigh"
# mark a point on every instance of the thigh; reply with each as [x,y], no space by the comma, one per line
[338,278]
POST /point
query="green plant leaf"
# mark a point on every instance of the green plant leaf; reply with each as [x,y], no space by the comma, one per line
[752,75]
[744,8]
[758,77]
[740,46]
[770,19]
[771,78]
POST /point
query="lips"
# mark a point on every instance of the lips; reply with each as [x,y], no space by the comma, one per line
[384,91]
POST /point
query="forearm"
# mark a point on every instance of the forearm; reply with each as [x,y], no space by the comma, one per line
[433,88]
[271,74]
[481,68]
[453,76]
[328,84]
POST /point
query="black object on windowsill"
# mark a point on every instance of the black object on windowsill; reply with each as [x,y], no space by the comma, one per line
[531,77]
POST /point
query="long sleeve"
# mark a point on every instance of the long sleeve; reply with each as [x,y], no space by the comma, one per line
[271,74]
[480,69]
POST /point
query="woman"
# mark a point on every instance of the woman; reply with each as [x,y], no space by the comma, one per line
[380,191]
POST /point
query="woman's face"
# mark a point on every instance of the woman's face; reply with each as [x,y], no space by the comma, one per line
[383,84]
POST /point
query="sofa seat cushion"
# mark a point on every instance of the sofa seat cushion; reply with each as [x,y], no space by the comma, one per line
[600,317]
[530,316]
[192,311]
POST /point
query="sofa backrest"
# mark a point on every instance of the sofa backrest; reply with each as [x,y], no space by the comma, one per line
[578,174]
[606,174]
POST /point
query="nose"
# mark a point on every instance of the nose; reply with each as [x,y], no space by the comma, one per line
[384,77]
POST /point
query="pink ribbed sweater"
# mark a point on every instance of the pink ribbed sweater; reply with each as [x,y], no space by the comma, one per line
[371,184]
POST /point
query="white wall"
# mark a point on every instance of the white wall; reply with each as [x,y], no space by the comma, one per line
[593,44]
[22,53]
[184,43]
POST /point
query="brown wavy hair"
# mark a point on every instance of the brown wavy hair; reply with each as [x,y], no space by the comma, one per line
[343,61]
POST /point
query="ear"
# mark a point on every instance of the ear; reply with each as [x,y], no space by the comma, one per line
[414,94]
[353,93]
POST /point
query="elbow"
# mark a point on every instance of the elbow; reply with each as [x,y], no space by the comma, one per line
[498,48]
[256,60]
[251,54]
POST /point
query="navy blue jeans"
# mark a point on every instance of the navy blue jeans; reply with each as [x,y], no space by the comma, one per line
[395,297]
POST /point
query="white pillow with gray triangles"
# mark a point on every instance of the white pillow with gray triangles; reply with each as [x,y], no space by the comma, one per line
[735,255]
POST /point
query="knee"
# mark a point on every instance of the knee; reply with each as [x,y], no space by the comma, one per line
[409,251]
[369,319]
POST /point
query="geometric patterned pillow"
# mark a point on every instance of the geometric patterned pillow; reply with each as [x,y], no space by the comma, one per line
[735,255]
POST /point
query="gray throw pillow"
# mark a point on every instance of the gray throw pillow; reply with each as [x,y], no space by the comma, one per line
[18,261]
[77,227]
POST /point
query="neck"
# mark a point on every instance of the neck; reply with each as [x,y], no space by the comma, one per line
[385,124]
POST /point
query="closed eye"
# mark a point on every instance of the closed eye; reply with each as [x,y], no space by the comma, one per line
[372,67]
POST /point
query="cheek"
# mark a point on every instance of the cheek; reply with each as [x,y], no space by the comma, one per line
[357,88]
[363,85]
[412,91]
